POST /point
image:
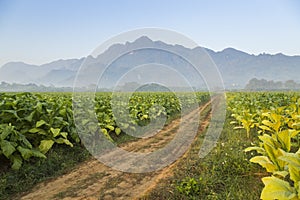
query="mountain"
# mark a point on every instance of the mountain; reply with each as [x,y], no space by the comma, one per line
[53,73]
[236,67]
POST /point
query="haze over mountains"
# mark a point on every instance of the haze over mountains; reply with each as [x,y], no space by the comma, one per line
[236,67]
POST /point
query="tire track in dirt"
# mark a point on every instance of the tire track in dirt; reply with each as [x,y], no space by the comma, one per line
[93,180]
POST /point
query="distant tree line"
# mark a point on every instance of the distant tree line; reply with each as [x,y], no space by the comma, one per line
[262,84]
[31,87]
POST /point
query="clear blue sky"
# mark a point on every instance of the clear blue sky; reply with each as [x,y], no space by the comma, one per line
[40,31]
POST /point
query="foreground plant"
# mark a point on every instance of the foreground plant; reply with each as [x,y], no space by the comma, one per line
[278,149]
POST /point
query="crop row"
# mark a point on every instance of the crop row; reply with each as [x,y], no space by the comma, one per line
[31,124]
[274,118]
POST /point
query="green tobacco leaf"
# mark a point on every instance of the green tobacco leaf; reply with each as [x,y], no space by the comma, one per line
[39,107]
[268,123]
[25,153]
[25,141]
[283,174]
[257,149]
[294,132]
[38,130]
[294,173]
[37,154]
[264,162]
[40,123]
[118,131]
[265,128]
[7,148]
[63,141]
[64,134]
[276,188]
[291,158]
[55,131]
[30,117]
[270,146]
[17,162]
[7,130]
[45,145]
[293,161]
[284,138]
[34,130]
[63,112]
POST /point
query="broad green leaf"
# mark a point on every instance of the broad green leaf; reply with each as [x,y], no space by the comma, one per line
[291,158]
[293,133]
[273,152]
[62,112]
[281,173]
[39,107]
[7,130]
[34,130]
[293,161]
[265,128]
[37,154]
[270,150]
[118,131]
[7,148]
[257,149]
[268,123]
[55,131]
[25,141]
[64,141]
[38,130]
[264,162]
[17,162]
[40,123]
[284,138]
[30,117]
[276,188]
[25,153]
[45,145]
[64,134]
[294,173]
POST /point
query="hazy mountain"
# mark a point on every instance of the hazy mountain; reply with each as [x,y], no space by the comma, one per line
[53,73]
[236,67]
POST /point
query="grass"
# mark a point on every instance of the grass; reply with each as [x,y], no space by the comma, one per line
[225,173]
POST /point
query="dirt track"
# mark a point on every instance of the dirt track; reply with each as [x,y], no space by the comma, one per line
[93,180]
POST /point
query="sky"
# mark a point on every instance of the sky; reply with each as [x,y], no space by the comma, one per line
[38,32]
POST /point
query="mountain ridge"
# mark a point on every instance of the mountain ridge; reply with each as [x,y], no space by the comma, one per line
[236,67]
